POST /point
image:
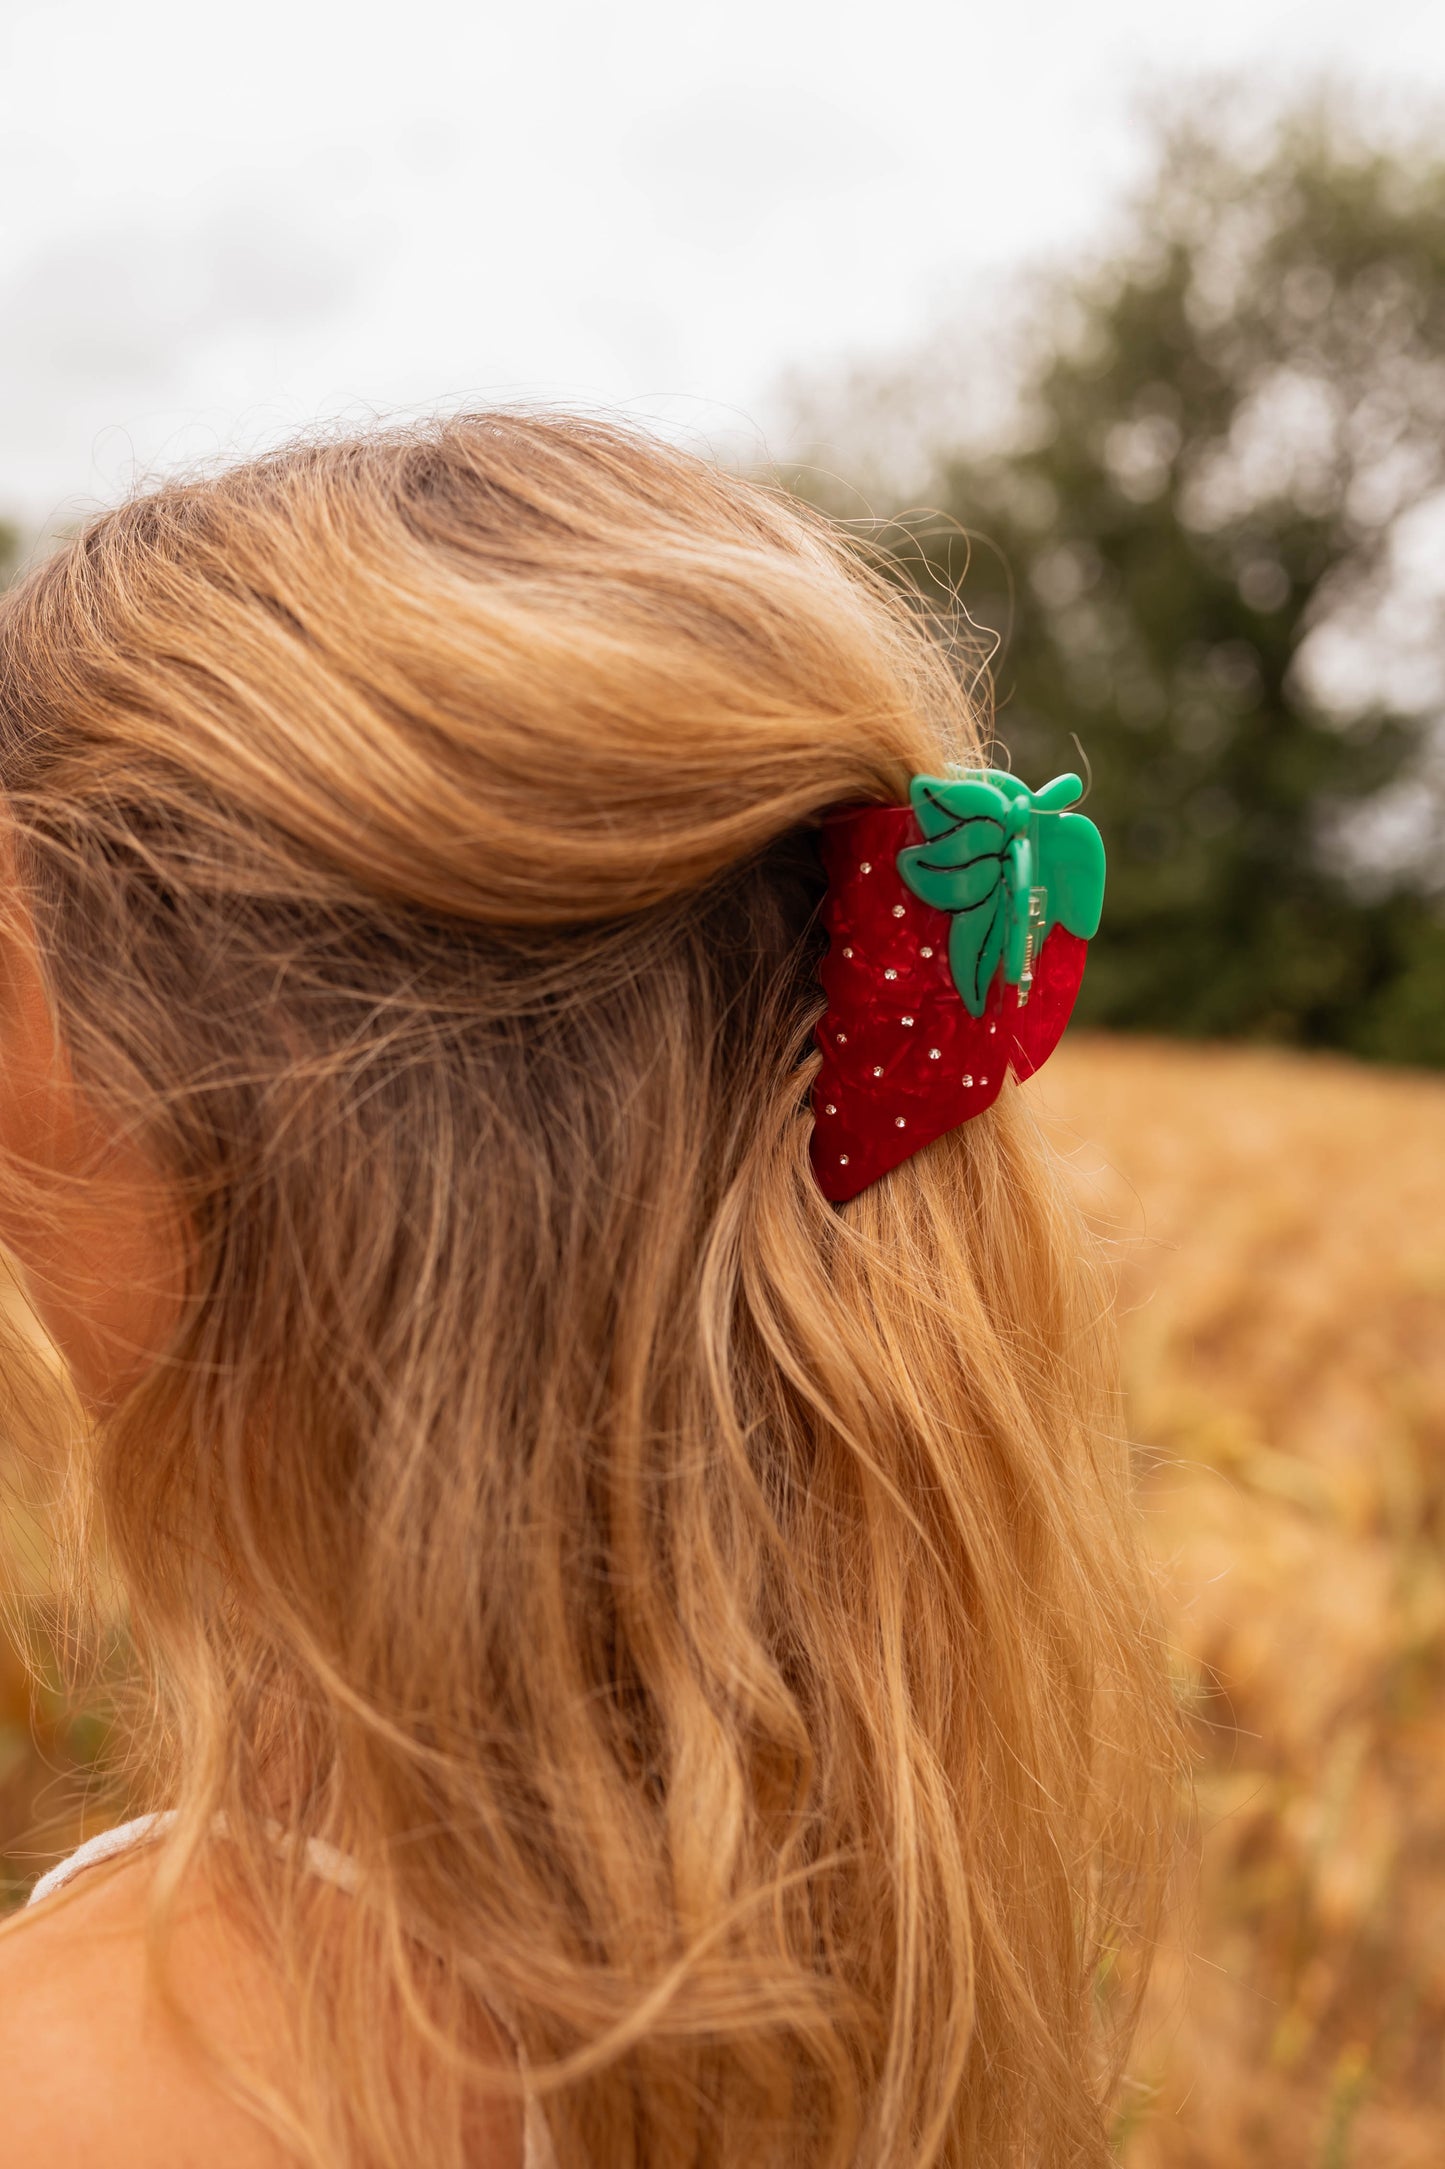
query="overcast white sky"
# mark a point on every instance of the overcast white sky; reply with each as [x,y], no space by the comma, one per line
[223,223]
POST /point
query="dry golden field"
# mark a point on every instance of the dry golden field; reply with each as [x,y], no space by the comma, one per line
[1279,1226]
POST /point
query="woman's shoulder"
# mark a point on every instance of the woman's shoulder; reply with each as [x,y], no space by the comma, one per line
[95,2066]
[99,2068]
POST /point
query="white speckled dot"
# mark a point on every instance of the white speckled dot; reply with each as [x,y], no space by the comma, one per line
[935,1054]
[865,866]
[847,952]
[890,973]
[908,1020]
[983,1080]
[842,1159]
[840,1039]
[830,1109]
[899,1122]
[878,1069]
[965,1080]
[925,950]
[898,911]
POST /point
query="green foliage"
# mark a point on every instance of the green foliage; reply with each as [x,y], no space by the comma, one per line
[1226,433]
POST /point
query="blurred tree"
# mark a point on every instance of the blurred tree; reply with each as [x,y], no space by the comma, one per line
[9,550]
[1194,557]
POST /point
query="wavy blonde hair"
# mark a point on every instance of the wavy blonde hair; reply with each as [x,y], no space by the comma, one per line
[710,1620]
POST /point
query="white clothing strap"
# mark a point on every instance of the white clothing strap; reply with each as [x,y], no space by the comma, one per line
[324,1861]
[122,1839]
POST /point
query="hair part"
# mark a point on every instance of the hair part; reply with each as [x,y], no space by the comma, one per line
[711,1620]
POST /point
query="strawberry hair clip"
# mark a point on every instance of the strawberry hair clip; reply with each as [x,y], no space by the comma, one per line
[957,930]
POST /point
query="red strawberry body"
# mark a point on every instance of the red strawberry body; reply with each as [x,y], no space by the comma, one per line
[903,1059]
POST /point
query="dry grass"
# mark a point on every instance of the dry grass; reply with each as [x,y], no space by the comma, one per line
[1280,1224]
[1280,1230]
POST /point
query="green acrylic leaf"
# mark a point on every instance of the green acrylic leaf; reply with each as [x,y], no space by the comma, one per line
[1000,780]
[992,849]
[939,805]
[1055,796]
[975,949]
[956,872]
[1019,880]
[1072,870]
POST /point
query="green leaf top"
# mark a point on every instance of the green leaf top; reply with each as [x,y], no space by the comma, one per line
[1007,864]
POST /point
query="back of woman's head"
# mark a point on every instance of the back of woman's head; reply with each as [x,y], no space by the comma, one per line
[709,1619]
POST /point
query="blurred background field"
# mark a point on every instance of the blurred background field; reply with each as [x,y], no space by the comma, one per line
[1279,1223]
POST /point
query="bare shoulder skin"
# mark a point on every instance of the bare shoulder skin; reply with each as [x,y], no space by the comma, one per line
[95,2072]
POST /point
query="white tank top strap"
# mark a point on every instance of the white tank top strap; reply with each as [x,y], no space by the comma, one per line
[323,1860]
[124,1838]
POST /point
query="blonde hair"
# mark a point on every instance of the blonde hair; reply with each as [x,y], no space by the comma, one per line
[711,1620]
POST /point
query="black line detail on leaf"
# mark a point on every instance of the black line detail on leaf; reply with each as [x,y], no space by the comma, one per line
[931,866]
[957,820]
[980,989]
